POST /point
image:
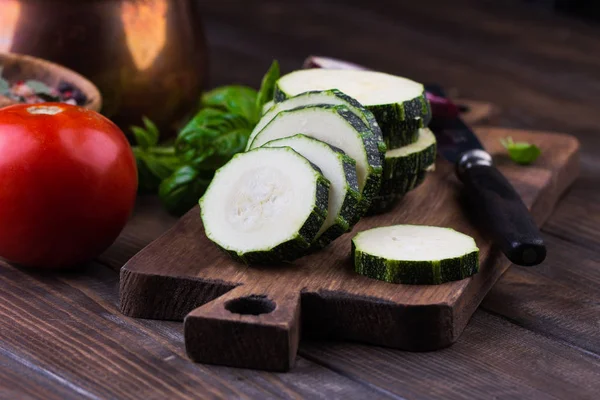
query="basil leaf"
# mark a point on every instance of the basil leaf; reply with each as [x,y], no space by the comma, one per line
[222,149]
[234,99]
[142,138]
[212,138]
[147,136]
[521,152]
[182,190]
[154,165]
[267,87]
[151,131]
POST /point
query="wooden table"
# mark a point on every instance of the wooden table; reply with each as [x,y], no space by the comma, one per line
[537,333]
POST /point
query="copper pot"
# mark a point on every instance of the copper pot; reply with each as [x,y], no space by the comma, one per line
[147,57]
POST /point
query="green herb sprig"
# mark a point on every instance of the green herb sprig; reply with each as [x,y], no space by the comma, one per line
[522,153]
[181,171]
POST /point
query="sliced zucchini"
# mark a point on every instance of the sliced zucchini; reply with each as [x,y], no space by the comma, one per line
[384,202]
[333,97]
[339,127]
[265,206]
[398,104]
[402,165]
[414,254]
[340,171]
[267,106]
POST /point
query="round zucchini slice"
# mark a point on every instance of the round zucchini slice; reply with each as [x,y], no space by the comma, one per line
[265,206]
[399,105]
[415,254]
[337,126]
[332,97]
[340,171]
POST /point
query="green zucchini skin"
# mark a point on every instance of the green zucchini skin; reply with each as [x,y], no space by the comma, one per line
[403,173]
[299,245]
[394,191]
[415,272]
[350,206]
[400,120]
[399,123]
[350,212]
[375,156]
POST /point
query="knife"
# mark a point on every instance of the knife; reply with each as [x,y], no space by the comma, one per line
[493,199]
[495,202]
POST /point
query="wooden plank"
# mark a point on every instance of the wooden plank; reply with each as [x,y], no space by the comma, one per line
[492,359]
[21,379]
[61,335]
[183,270]
[512,65]
[557,298]
[577,218]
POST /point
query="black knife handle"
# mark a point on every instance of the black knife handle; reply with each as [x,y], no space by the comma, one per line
[501,209]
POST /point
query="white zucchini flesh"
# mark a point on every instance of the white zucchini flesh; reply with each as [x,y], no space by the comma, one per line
[415,243]
[340,171]
[322,123]
[415,254]
[265,205]
[398,105]
[331,97]
[367,87]
[267,106]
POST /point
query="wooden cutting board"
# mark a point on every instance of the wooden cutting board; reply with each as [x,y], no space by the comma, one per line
[252,316]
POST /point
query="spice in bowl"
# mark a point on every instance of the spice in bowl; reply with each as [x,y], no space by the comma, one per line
[34,91]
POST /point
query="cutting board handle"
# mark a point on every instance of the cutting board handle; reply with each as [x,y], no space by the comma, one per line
[248,327]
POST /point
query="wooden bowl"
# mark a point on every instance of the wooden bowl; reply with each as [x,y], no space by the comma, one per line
[18,67]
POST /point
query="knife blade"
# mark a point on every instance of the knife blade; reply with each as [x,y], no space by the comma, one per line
[494,201]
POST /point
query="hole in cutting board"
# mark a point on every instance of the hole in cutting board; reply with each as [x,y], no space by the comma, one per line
[250,305]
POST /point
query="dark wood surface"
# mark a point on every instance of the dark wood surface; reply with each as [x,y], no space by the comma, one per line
[537,332]
[183,272]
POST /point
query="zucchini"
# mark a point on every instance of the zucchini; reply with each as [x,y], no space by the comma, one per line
[267,106]
[403,165]
[259,212]
[333,97]
[340,171]
[414,254]
[404,169]
[339,127]
[384,202]
[399,105]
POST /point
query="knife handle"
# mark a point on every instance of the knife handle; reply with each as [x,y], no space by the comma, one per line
[500,207]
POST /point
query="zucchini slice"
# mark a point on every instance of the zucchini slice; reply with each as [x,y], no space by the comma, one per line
[339,127]
[399,105]
[265,206]
[402,165]
[404,169]
[332,97]
[384,202]
[415,254]
[266,107]
[340,171]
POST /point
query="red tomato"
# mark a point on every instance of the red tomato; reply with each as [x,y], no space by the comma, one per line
[68,183]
